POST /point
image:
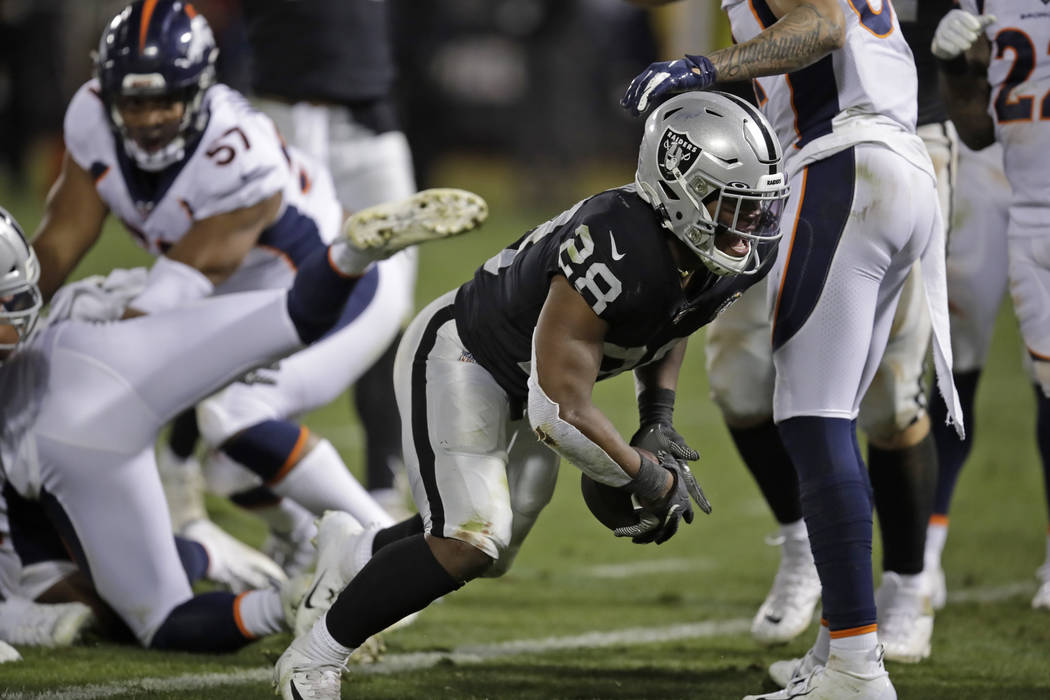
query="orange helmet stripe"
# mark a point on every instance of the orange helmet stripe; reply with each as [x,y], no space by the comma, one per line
[147,14]
[191,11]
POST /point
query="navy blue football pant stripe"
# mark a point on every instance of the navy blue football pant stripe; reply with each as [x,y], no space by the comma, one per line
[41,531]
[837,506]
[420,429]
[824,209]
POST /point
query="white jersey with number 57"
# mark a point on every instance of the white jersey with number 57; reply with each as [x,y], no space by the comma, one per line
[238,161]
[863,92]
[1019,77]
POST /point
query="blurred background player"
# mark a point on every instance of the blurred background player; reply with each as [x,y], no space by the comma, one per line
[977,278]
[204,182]
[836,287]
[329,91]
[999,97]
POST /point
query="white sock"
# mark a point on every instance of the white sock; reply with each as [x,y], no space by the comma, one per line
[321,481]
[348,259]
[260,613]
[822,647]
[796,540]
[853,644]
[321,646]
[936,536]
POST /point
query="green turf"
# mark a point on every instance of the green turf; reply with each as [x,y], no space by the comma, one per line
[717,569]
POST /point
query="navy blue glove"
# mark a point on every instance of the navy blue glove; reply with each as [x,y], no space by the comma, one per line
[661,80]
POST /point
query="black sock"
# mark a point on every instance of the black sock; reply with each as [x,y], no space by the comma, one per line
[765,457]
[184,434]
[951,451]
[398,531]
[380,419]
[904,482]
[402,578]
[1042,438]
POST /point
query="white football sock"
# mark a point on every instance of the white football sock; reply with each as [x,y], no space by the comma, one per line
[320,481]
[349,260]
[796,540]
[822,646]
[260,612]
[936,536]
[321,646]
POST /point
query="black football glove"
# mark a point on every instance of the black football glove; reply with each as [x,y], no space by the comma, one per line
[657,433]
[659,522]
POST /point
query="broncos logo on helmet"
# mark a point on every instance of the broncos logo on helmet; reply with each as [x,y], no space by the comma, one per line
[161,51]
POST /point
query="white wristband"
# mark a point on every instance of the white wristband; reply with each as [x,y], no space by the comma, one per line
[171,284]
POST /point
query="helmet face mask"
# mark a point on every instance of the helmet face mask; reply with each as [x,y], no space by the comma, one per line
[153,71]
[20,300]
[710,165]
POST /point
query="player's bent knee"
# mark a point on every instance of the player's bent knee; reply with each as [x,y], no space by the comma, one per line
[462,559]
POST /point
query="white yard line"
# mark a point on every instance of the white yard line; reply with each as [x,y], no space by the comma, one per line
[475,653]
[395,663]
[654,566]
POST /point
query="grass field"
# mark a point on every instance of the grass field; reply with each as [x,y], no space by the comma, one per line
[583,615]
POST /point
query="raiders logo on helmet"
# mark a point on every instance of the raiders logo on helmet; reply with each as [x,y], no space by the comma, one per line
[677,152]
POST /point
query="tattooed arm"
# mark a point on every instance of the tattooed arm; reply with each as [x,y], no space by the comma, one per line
[806,31]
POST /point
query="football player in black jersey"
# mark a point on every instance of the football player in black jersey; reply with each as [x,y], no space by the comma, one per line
[492,374]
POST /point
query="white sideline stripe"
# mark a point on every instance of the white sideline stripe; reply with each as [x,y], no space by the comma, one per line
[396,663]
[654,566]
[992,594]
[471,653]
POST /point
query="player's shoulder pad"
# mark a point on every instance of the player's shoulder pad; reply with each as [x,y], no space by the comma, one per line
[88,135]
[611,250]
[240,160]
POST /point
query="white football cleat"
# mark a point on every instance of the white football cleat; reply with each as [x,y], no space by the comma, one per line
[43,625]
[788,609]
[231,562]
[183,484]
[840,679]
[1042,596]
[297,677]
[905,617]
[338,541]
[428,215]
[784,673]
[8,653]
[935,585]
[293,554]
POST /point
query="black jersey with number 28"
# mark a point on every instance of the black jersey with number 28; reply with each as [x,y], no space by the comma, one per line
[613,250]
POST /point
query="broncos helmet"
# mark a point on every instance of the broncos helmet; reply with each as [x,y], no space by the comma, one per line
[163,49]
[710,164]
[20,301]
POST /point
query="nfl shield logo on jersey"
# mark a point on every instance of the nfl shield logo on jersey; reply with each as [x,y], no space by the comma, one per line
[677,152]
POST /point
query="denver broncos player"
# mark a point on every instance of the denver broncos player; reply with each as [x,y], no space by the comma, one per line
[204,182]
[994,59]
[492,374]
[839,84]
[83,402]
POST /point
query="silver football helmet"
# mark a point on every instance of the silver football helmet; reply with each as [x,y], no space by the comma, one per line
[20,301]
[710,164]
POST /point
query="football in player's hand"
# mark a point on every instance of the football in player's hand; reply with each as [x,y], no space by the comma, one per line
[610,505]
